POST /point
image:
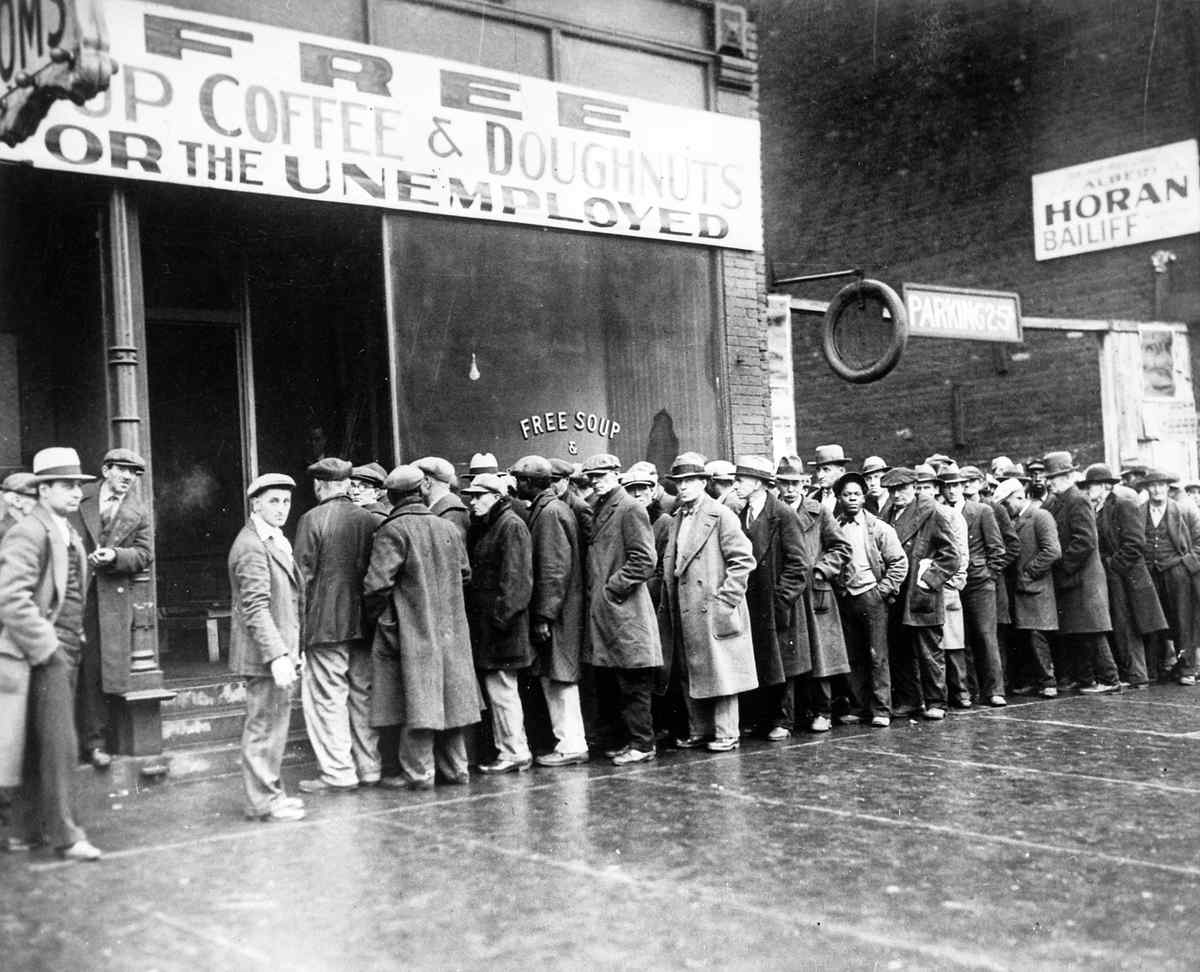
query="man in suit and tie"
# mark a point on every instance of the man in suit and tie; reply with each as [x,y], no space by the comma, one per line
[268,608]
[43,590]
[115,527]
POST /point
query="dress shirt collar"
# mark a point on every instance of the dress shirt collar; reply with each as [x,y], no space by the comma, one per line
[264,530]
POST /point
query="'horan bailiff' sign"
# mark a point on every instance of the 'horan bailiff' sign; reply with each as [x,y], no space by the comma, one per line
[1127,199]
[209,101]
[968,315]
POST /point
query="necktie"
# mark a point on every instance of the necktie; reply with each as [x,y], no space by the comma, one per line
[109,511]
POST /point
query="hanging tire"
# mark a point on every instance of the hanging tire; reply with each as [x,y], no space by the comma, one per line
[871,290]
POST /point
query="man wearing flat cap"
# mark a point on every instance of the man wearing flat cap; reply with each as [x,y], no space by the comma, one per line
[43,591]
[18,497]
[115,526]
[556,608]
[561,474]
[622,636]
[1132,600]
[437,494]
[366,489]
[1172,549]
[424,689]
[721,475]
[1080,586]
[333,545]
[264,645]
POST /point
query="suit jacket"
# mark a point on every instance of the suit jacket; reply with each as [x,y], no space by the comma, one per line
[925,534]
[130,536]
[1121,531]
[1183,530]
[985,545]
[1080,585]
[268,604]
[333,545]
[1034,607]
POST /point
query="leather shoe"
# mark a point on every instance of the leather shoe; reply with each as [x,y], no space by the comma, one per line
[692,742]
[724,745]
[997,702]
[779,734]
[821,724]
[935,714]
[321,786]
[1187,679]
[881,721]
[631,755]
[504,765]
[99,758]
[562,759]
[81,850]
[280,812]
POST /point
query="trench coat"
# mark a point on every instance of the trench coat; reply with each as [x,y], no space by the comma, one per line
[332,547]
[267,614]
[1121,531]
[1033,605]
[423,674]
[926,535]
[773,588]
[500,590]
[622,628]
[703,617]
[816,621]
[33,579]
[1080,585]
[129,535]
[558,597]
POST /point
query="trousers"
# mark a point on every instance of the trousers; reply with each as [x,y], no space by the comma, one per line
[264,738]
[336,694]
[426,752]
[865,624]
[566,716]
[508,715]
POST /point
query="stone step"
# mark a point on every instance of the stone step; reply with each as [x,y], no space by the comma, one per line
[211,724]
[206,695]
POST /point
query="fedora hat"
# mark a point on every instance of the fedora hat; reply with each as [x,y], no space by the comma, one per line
[790,469]
[755,467]
[689,465]
[972,472]
[724,471]
[1057,464]
[1098,472]
[829,454]
[850,477]
[874,464]
[1013,470]
[950,475]
[483,462]
[59,462]
[925,474]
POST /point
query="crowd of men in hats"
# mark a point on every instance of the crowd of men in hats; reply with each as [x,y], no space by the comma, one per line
[749,599]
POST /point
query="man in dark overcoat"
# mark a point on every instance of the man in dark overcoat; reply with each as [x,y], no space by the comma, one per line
[555,608]
[622,634]
[703,615]
[43,585]
[1080,585]
[423,676]
[1033,609]
[115,527]
[333,545]
[1173,554]
[498,611]
[561,472]
[1132,601]
[916,617]
[774,586]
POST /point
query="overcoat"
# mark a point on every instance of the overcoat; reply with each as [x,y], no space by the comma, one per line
[622,629]
[332,547]
[1012,550]
[267,615]
[1121,531]
[129,535]
[452,509]
[954,631]
[500,590]
[33,579]
[1033,604]
[928,541]
[703,613]
[1080,585]
[816,621]
[557,586]
[779,577]
[423,672]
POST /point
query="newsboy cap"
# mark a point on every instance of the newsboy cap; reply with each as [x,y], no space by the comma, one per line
[601,462]
[532,467]
[689,465]
[486,483]
[59,462]
[560,468]
[972,472]
[722,470]
[1098,472]
[372,473]
[756,467]
[1157,476]
[637,475]
[124,457]
[330,470]
[403,479]
[21,483]
[899,476]
[874,464]
[270,481]
[826,454]
[437,468]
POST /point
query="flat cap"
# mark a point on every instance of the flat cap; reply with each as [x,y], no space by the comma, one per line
[688,465]
[270,481]
[486,483]
[437,468]
[560,468]
[645,468]
[601,462]
[371,473]
[755,467]
[483,462]
[124,457]
[972,472]
[403,479]
[330,470]
[790,468]
[899,476]
[22,483]
[637,475]
[1157,476]
[532,467]
[724,471]
[937,459]
[1006,489]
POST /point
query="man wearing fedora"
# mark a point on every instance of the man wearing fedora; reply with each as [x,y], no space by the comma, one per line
[916,617]
[772,589]
[437,494]
[789,480]
[622,635]
[873,468]
[43,593]
[333,545]
[703,621]
[115,526]
[1172,550]
[366,489]
[872,578]
[1132,600]
[1080,585]
[828,465]
[264,646]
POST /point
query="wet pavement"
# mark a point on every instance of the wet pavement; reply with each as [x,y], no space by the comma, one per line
[1049,834]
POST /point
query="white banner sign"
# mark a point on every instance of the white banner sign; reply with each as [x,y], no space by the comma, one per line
[1127,199]
[209,101]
